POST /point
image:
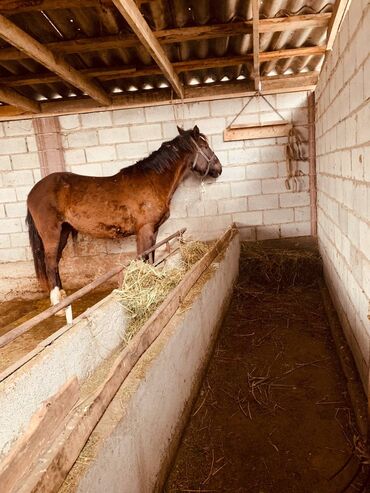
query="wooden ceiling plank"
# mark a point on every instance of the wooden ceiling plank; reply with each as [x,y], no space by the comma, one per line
[15,36]
[17,100]
[340,8]
[294,22]
[178,35]
[272,85]
[256,44]
[292,52]
[136,21]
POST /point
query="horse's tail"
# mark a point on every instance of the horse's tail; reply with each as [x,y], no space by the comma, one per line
[38,251]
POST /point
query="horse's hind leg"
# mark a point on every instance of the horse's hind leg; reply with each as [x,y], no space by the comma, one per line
[51,238]
[66,230]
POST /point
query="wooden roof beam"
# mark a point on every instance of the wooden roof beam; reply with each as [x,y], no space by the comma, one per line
[177,35]
[294,22]
[272,85]
[340,9]
[15,36]
[256,44]
[17,100]
[138,24]
[127,72]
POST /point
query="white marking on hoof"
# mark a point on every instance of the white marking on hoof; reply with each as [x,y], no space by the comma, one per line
[69,314]
[55,296]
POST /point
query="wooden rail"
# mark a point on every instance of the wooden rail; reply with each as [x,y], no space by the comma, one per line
[29,324]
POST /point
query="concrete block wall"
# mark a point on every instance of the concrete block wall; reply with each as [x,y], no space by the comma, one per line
[343,177]
[19,171]
[250,191]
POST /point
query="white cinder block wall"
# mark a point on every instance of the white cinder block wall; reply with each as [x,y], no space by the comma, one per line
[250,191]
[343,176]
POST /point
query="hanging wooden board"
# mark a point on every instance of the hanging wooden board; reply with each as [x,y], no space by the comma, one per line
[264,130]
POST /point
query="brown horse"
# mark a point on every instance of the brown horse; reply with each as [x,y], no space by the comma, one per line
[135,201]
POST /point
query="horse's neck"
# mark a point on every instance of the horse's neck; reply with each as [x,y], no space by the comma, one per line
[179,174]
[174,177]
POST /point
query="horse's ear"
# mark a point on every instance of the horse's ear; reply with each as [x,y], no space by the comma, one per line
[196,131]
[181,130]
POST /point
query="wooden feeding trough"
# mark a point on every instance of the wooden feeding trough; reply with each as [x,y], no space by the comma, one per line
[259,130]
[87,363]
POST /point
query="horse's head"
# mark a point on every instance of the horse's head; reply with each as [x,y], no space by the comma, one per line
[205,161]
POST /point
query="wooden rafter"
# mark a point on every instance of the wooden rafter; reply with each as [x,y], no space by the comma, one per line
[13,98]
[256,44]
[271,85]
[126,72]
[340,8]
[15,36]
[10,7]
[177,35]
[294,22]
[136,21]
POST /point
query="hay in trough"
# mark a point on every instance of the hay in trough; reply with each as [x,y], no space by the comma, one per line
[145,286]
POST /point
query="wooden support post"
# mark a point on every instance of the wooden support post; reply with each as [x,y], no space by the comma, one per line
[312,161]
[15,36]
[49,144]
[138,24]
[256,44]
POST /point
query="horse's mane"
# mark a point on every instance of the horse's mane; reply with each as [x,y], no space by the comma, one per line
[170,152]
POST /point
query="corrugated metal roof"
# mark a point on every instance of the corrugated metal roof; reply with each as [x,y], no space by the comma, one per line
[59,25]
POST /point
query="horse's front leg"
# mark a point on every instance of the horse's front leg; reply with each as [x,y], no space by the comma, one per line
[145,239]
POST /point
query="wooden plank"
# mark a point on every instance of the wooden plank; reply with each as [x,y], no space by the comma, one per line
[340,9]
[126,72]
[256,44]
[44,427]
[138,24]
[304,81]
[262,124]
[294,22]
[224,90]
[13,98]
[177,35]
[256,132]
[292,52]
[24,42]
[65,451]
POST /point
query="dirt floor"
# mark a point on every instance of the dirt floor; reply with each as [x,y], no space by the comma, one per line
[15,312]
[273,412]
